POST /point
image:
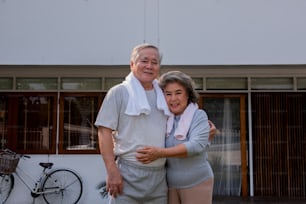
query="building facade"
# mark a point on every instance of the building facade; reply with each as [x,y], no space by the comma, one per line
[57,61]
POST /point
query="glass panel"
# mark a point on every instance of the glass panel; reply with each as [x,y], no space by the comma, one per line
[81,83]
[224,153]
[6,83]
[36,83]
[110,82]
[3,121]
[226,83]
[271,83]
[198,83]
[79,117]
[301,83]
[34,126]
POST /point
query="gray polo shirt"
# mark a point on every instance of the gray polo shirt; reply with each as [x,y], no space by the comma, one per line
[134,132]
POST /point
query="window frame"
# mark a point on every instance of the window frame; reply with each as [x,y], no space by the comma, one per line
[13,122]
[61,149]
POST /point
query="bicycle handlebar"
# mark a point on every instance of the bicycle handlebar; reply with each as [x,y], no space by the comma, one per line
[25,156]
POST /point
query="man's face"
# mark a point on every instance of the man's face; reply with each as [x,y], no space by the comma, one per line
[146,67]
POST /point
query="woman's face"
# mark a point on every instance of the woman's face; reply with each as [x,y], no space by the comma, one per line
[176,97]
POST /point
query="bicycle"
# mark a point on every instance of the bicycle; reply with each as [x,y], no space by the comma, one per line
[56,186]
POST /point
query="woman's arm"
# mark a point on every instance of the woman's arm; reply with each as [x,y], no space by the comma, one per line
[149,153]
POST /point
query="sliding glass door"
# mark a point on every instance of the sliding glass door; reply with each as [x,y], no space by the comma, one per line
[227,153]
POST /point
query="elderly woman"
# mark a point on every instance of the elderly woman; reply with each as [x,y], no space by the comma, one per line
[189,174]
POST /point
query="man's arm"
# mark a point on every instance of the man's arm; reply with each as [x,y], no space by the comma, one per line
[114,181]
[212,131]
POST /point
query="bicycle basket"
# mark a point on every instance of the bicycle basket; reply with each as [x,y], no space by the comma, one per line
[8,163]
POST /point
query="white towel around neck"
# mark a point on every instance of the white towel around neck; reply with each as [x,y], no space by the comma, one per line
[138,102]
[184,122]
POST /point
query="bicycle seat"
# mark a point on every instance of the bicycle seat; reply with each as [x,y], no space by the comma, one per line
[46,165]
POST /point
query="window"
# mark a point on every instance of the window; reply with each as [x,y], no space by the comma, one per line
[6,83]
[3,120]
[111,81]
[227,153]
[77,130]
[301,83]
[36,83]
[272,83]
[81,83]
[226,83]
[31,125]
[198,83]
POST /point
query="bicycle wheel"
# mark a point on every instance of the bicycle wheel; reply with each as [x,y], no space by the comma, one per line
[62,186]
[6,186]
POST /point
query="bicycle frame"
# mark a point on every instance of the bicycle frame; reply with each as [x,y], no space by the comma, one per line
[35,186]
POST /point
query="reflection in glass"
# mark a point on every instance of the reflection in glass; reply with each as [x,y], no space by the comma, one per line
[34,128]
[198,83]
[225,153]
[301,83]
[81,83]
[6,83]
[79,116]
[284,83]
[36,83]
[112,81]
[3,121]
[226,83]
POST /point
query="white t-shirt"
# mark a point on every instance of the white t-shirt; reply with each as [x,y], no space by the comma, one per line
[133,132]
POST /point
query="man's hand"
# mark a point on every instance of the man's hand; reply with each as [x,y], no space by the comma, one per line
[114,182]
[212,131]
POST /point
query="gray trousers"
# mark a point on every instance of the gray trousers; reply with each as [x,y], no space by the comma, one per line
[141,185]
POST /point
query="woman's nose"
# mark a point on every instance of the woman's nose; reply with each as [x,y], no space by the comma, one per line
[172,97]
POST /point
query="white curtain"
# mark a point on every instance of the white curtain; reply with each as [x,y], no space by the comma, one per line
[224,153]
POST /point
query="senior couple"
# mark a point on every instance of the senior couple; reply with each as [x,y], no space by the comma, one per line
[161,138]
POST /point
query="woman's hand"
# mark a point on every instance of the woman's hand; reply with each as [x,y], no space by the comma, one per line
[148,154]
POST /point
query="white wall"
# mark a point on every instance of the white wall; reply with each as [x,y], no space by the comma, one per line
[89,167]
[234,31]
[189,32]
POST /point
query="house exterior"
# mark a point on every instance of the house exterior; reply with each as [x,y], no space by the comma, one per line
[247,58]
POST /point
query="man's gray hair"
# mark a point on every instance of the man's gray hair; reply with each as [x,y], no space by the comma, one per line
[138,48]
